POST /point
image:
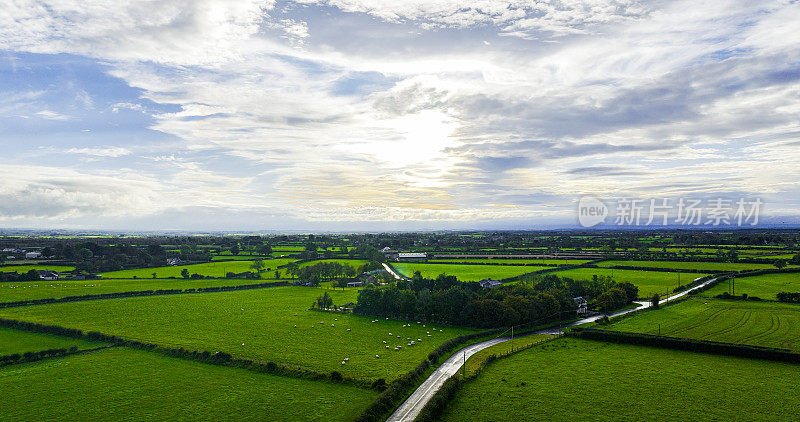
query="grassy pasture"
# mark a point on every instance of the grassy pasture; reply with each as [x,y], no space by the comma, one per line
[18,341]
[703,266]
[30,290]
[464,272]
[132,385]
[475,361]
[213,269]
[25,268]
[355,263]
[765,286]
[585,380]
[649,282]
[552,262]
[264,320]
[756,323]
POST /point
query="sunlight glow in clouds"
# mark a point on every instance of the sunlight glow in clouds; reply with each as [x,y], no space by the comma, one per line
[297,114]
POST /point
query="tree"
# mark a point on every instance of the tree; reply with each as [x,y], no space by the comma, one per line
[654,301]
[83,254]
[154,275]
[779,264]
[185,273]
[258,266]
[323,302]
[277,275]
[612,299]
[235,249]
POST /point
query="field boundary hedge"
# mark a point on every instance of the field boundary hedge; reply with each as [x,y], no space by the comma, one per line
[140,293]
[691,345]
[748,273]
[27,357]
[214,358]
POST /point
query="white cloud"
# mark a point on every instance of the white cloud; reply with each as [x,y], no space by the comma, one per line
[52,115]
[100,152]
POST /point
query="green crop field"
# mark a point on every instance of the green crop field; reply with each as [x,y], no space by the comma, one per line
[649,282]
[593,381]
[132,385]
[552,262]
[212,269]
[756,323]
[355,263]
[703,266]
[765,286]
[30,290]
[263,320]
[17,341]
[475,361]
[230,257]
[464,272]
[25,268]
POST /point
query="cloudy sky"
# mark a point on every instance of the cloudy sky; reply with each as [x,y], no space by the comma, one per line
[389,114]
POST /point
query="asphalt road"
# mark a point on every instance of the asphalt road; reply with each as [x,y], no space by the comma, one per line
[409,410]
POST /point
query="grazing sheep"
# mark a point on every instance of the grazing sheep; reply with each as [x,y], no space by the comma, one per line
[376,356]
[348,330]
[387,347]
[390,333]
[384,342]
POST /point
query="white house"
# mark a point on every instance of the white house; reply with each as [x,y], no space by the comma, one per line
[582,305]
[488,283]
[48,275]
[412,256]
[33,255]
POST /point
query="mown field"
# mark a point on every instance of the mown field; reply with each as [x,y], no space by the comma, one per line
[757,323]
[263,320]
[17,341]
[703,266]
[25,268]
[464,272]
[30,290]
[210,269]
[551,262]
[649,282]
[585,380]
[131,385]
[765,286]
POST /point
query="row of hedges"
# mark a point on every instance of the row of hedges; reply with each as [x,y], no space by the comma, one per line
[35,356]
[691,345]
[789,297]
[214,358]
[141,293]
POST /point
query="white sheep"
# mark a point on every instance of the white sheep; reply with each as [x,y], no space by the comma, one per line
[348,330]
[376,356]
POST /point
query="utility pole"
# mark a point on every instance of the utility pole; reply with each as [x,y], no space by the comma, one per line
[464,366]
[512,339]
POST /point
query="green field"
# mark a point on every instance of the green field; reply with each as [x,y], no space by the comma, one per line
[17,341]
[131,385]
[703,266]
[464,272]
[500,349]
[212,269]
[765,286]
[756,323]
[649,282]
[30,290]
[581,380]
[25,268]
[552,262]
[355,263]
[264,320]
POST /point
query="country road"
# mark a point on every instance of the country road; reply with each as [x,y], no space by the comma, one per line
[410,409]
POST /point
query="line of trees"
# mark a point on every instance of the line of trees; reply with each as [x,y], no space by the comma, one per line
[31,275]
[323,271]
[447,300]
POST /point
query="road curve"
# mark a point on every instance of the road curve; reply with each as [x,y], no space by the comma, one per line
[391,271]
[410,409]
